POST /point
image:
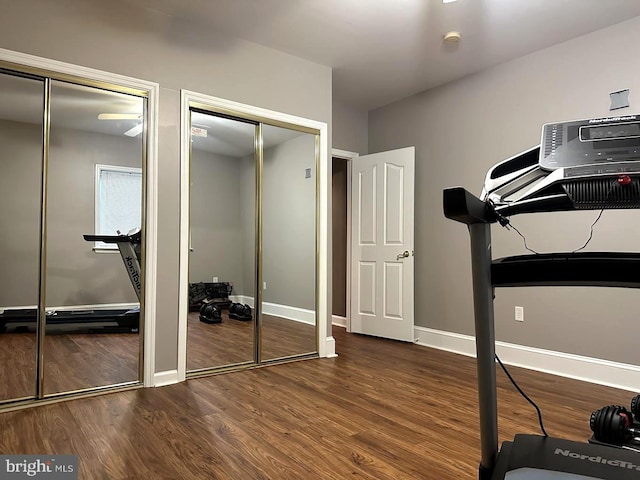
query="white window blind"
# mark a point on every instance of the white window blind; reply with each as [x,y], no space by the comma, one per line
[118,201]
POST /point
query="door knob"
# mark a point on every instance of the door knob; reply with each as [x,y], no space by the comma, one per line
[404,254]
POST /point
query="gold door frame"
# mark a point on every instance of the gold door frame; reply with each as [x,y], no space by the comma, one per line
[258,153]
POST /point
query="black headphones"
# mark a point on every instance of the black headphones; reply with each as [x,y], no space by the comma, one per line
[615,425]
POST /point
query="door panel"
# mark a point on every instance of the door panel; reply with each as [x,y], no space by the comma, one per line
[393,202]
[288,321]
[94,171]
[367,206]
[393,274]
[382,289]
[20,204]
[367,294]
[222,223]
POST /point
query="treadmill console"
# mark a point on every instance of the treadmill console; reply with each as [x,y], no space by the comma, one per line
[595,141]
[581,164]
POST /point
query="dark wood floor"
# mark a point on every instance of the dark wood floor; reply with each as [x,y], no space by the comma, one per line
[231,342]
[75,361]
[71,362]
[381,410]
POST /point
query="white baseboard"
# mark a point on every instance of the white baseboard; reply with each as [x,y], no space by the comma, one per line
[169,377]
[587,369]
[283,311]
[339,321]
[242,299]
[291,313]
[330,348]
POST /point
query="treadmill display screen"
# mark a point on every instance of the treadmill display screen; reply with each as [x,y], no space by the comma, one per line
[595,141]
[621,130]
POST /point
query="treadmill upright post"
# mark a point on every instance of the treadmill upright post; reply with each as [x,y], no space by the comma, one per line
[131,263]
[480,234]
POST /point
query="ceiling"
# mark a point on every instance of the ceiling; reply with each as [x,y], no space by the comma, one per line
[380,50]
[385,50]
[77,107]
[72,106]
[234,138]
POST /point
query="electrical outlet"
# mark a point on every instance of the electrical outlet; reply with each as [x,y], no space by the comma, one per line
[215,279]
[519,314]
[264,285]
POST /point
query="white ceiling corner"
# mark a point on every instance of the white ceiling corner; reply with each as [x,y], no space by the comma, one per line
[385,50]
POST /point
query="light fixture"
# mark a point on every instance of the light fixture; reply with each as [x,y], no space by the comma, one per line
[135,131]
[119,116]
[451,37]
[448,1]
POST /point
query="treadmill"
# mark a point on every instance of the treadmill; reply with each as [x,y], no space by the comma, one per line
[589,164]
[93,320]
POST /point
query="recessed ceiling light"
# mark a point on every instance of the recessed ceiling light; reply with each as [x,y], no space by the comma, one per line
[452,37]
[448,1]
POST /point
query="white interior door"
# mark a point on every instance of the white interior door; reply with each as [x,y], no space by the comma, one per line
[382,262]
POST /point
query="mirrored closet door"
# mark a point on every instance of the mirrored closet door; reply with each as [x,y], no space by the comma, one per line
[222,249]
[288,321]
[21,117]
[72,167]
[94,186]
[252,242]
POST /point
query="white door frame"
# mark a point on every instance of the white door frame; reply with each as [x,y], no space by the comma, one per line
[151,215]
[349,157]
[326,343]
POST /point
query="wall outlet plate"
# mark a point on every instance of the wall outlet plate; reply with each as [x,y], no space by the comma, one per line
[519,314]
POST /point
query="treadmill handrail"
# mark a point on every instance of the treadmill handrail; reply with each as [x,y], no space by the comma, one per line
[571,269]
[135,238]
[463,206]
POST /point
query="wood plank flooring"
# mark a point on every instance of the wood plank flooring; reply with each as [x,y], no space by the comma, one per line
[75,361]
[231,342]
[72,362]
[381,410]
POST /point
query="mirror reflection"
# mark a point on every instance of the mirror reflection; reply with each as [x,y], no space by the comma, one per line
[93,238]
[288,325]
[21,116]
[222,254]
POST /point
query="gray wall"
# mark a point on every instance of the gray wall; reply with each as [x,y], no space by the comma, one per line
[248,219]
[20,186]
[120,37]
[216,233]
[76,275]
[289,214]
[460,130]
[350,127]
[288,240]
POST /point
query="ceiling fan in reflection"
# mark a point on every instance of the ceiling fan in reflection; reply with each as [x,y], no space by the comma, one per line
[132,132]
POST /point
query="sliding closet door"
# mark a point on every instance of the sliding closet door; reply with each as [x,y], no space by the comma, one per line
[21,118]
[94,186]
[222,253]
[288,322]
